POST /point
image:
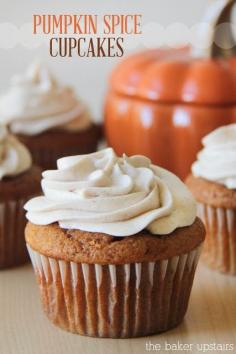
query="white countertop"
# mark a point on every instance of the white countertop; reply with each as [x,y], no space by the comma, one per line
[211,318]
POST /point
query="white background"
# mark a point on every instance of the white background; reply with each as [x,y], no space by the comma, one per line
[88,76]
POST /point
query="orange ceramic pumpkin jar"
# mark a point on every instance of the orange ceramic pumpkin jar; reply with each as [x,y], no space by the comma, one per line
[161,103]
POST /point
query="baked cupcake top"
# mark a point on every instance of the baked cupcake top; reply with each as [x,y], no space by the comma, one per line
[216,162]
[118,196]
[14,156]
[36,102]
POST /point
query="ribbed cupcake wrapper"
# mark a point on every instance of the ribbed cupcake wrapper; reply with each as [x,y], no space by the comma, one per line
[115,301]
[12,225]
[219,250]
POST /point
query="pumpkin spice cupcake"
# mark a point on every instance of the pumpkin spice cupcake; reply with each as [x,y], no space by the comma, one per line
[114,243]
[19,181]
[213,183]
[47,117]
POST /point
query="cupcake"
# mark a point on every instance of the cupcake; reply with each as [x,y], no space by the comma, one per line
[213,183]
[19,181]
[47,117]
[114,242]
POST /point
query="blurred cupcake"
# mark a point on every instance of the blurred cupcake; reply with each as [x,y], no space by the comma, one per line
[19,181]
[114,243]
[47,117]
[213,183]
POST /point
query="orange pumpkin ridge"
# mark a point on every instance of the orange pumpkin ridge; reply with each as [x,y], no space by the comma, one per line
[162,102]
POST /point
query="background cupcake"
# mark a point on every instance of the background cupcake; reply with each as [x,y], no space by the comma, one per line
[47,117]
[19,181]
[114,243]
[213,183]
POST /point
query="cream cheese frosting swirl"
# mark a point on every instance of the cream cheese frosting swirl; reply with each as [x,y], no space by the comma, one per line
[119,196]
[14,156]
[216,162]
[36,102]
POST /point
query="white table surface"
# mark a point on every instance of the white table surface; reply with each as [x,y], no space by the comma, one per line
[211,318]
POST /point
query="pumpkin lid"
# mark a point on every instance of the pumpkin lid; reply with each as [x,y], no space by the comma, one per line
[175,75]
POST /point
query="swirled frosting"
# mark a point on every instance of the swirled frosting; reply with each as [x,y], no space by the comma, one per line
[14,157]
[120,196]
[216,162]
[36,103]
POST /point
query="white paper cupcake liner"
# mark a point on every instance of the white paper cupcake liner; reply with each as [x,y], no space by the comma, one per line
[219,249]
[12,225]
[115,300]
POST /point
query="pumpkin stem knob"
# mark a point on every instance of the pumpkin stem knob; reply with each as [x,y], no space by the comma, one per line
[219,39]
[223,41]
